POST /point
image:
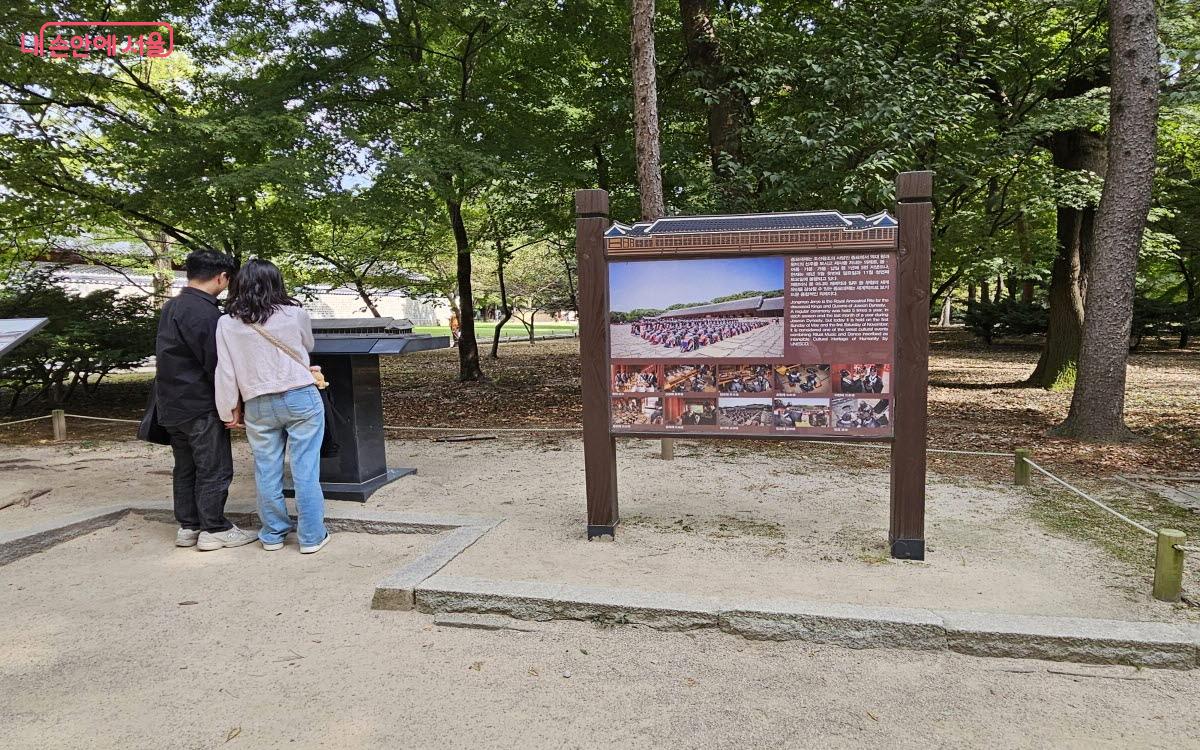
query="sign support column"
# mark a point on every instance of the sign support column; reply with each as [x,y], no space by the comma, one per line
[599,446]
[914,209]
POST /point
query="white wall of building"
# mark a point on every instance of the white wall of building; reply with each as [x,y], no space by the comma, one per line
[333,303]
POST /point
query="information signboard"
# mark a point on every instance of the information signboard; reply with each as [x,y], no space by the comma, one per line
[812,324]
[767,345]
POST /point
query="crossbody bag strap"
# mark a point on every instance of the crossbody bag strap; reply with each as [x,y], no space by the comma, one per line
[278,344]
[318,379]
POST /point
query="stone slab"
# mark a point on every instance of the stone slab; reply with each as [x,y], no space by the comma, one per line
[1145,644]
[24,542]
[396,591]
[528,600]
[521,600]
[846,625]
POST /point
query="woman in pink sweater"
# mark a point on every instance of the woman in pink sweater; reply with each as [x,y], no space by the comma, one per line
[262,360]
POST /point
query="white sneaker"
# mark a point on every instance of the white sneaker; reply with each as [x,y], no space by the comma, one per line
[186,537]
[314,547]
[272,546]
[233,537]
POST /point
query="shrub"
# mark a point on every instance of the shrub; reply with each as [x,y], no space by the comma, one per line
[87,338]
[1006,318]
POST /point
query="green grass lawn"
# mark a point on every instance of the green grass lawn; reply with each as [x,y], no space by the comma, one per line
[484,330]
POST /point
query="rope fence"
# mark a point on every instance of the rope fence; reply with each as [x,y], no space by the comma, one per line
[23,421]
[1094,501]
[1171,544]
[103,419]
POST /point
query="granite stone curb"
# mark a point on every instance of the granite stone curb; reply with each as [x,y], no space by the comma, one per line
[528,600]
[850,625]
[396,591]
[1077,639]
[15,545]
[1145,644]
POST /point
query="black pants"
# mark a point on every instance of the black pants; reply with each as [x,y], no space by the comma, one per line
[203,471]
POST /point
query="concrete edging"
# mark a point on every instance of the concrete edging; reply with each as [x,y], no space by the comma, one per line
[1145,644]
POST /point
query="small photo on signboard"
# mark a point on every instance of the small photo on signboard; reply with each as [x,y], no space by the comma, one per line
[636,378]
[637,412]
[690,378]
[861,413]
[801,413]
[744,412]
[696,308]
[745,379]
[683,411]
[803,379]
[860,377]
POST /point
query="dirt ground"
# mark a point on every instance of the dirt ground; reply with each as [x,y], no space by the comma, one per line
[101,647]
[716,520]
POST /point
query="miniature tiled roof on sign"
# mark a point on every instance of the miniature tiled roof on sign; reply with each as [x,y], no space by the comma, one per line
[802,220]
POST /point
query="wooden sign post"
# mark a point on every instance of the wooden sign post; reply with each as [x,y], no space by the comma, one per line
[914,210]
[807,325]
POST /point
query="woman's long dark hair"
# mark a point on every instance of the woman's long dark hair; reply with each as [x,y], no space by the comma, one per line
[257,292]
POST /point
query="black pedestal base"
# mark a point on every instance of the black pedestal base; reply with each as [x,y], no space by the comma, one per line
[908,549]
[356,491]
[594,531]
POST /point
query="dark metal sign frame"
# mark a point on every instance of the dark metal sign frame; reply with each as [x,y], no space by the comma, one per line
[32,326]
[911,243]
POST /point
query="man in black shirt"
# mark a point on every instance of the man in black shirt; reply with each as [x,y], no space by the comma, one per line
[186,352]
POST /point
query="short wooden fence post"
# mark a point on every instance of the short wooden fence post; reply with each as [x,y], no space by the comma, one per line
[58,418]
[1021,469]
[668,449]
[1168,565]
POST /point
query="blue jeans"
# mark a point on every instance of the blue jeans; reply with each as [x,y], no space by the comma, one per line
[273,421]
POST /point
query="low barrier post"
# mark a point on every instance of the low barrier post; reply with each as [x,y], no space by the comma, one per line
[668,449]
[1021,466]
[58,418]
[1168,565]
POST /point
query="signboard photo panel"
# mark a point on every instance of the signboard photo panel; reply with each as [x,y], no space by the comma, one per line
[791,341]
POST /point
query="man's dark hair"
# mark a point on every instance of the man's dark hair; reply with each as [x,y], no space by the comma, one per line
[203,265]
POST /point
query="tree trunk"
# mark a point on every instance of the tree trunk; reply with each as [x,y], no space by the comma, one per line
[601,166]
[729,109]
[468,347]
[946,288]
[532,320]
[164,272]
[645,110]
[970,295]
[1022,230]
[365,296]
[985,291]
[1074,151]
[1098,404]
[944,320]
[501,261]
[1189,284]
